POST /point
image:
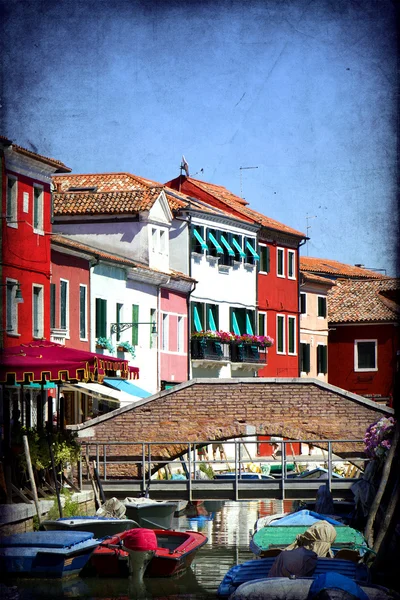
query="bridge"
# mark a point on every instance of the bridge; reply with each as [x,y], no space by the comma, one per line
[236,484]
[222,410]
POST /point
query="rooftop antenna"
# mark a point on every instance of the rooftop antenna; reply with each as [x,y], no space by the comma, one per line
[184,166]
[241,186]
[308,217]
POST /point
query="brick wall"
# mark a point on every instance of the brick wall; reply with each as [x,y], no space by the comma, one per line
[218,409]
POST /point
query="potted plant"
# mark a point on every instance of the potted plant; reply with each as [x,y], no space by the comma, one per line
[126,347]
[105,343]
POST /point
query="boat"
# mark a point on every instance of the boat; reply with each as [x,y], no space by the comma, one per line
[174,553]
[317,473]
[99,526]
[292,530]
[151,514]
[300,517]
[46,553]
[283,588]
[255,569]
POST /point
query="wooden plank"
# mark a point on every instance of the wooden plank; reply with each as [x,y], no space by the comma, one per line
[20,494]
[70,483]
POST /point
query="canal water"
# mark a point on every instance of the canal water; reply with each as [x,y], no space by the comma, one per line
[228,527]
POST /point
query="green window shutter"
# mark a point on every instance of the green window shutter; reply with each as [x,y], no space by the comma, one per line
[238,247]
[63,305]
[198,243]
[212,317]
[253,253]
[261,324]
[249,323]
[135,328]
[52,305]
[291,323]
[280,334]
[227,245]
[197,314]
[234,324]
[215,243]
[82,312]
[264,258]
[305,358]
[321,307]
[303,303]
[101,317]
[280,261]
[322,359]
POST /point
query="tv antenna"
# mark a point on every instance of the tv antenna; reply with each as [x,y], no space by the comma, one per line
[308,217]
[241,186]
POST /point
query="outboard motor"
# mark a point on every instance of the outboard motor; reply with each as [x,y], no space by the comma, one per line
[141,545]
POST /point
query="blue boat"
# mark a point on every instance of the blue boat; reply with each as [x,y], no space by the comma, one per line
[46,553]
[244,475]
[259,569]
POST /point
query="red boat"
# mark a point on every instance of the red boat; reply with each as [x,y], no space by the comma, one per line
[174,553]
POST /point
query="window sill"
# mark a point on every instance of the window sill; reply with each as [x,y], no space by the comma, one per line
[38,231]
[281,276]
[12,334]
[13,225]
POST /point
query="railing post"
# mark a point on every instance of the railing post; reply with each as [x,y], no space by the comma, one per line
[237,457]
[143,467]
[190,471]
[105,462]
[88,456]
[283,468]
[330,465]
[149,466]
[80,470]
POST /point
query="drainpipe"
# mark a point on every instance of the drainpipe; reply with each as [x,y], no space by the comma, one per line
[298,300]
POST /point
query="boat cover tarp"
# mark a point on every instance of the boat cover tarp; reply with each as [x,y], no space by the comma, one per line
[126,386]
[112,508]
[282,537]
[45,539]
[299,562]
[304,517]
[319,538]
[335,581]
[259,568]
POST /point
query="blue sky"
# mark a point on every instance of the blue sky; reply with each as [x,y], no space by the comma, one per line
[303,90]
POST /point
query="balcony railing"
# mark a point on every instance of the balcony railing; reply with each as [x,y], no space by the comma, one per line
[236,352]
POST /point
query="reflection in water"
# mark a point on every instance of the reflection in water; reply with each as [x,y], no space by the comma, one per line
[228,527]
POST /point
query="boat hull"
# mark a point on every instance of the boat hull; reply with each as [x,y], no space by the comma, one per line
[46,554]
[154,515]
[175,553]
[99,526]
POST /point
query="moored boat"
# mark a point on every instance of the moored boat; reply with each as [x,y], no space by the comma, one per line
[174,553]
[99,526]
[151,514]
[46,553]
[255,569]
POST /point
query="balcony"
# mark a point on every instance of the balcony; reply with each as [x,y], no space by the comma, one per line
[210,352]
[58,335]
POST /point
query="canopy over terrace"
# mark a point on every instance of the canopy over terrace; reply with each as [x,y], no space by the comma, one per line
[41,361]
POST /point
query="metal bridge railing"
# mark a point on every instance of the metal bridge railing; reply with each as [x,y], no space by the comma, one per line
[144,459]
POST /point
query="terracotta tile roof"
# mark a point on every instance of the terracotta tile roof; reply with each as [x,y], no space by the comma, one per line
[45,159]
[241,206]
[179,200]
[368,300]
[336,269]
[310,277]
[103,193]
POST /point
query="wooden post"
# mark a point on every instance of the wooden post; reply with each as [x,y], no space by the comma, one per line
[53,466]
[369,528]
[31,477]
[94,488]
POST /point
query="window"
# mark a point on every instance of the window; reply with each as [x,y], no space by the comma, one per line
[11,307]
[237,247]
[365,355]
[163,241]
[304,358]
[118,318]
[292,335]
[212,317]
[135,328]
[37,208]
[12,195]
[242,321]
[165,333]
[52,305]
[262,323]
[214,247]
[37,310]
[225,240]
[180,335]
[249,247]
[204,317]
[280,262]
[303,303]
[264,258]
[153,321]
[280,334]
[64,308]
[101,318]
[291,264]
[198,243]
[322,359]
[153,239]
[322,306]
[82,312]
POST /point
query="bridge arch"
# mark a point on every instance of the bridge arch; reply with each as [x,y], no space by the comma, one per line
[221,409]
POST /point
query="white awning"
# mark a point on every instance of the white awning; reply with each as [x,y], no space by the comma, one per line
[99,391]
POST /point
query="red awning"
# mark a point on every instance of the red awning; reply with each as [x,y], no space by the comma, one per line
[42,360]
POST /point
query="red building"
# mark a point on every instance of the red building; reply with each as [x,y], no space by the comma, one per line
[278,274]
[363,346]
[25,247]
[70,294]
